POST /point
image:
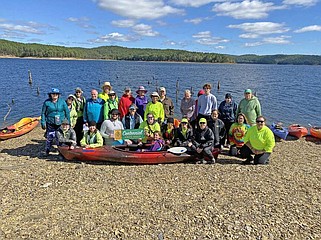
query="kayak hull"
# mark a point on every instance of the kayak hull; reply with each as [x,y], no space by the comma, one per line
[119,154]
[315,132]
[20,128]
[297,130]
[279,131]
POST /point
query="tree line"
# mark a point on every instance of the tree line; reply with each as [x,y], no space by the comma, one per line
[16,49]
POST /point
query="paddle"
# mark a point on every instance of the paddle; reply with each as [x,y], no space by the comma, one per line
[177,150]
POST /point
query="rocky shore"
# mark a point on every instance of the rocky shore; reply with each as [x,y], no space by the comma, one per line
[44,198]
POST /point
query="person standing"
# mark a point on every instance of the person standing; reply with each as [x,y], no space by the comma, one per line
[141,100]
[94,109]
[227,110]
[73,114]
[250,106]
[259,140]
[156,108]
[106,88]
[167,103]
[110,104]
[79,105]
[125,101]
[187,105]
[206,103]
[54,111]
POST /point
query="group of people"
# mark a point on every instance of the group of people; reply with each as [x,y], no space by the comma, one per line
[203,126]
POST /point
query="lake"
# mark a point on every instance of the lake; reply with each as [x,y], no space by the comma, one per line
[288,94]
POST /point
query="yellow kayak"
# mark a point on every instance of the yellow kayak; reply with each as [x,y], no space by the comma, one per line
[24,126]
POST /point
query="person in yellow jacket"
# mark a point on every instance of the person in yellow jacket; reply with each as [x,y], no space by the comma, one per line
[259,140]
[156,108]
[92,138]
[150,126]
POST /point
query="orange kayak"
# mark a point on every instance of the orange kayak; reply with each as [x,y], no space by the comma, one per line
[24,126]
[315,132]
[297,130]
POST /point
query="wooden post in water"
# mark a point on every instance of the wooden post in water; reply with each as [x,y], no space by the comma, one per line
[29,77]
[177,89]
[38,91]
[218,86]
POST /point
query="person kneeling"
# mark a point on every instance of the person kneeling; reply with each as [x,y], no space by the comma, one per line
[65,135]
[203,143]
[92,138]
[259,140]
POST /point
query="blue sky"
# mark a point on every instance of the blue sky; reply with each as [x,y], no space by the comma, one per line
[216,26]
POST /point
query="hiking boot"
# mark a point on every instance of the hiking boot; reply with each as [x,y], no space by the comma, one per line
[47,153]
[248,161]
[201,161]
[211,161]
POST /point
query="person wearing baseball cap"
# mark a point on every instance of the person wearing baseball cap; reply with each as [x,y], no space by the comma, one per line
[141,100]
[65,135]
[250,106]
[203,143]
[155,107]
[167,103]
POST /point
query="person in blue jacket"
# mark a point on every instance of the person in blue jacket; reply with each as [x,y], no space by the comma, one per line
[54,111]
[94,109]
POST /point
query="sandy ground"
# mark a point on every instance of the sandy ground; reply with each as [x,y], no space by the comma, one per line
[44,198]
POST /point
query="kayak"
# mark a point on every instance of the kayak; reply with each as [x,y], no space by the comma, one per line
[24,126]
[279,131]
[297,130]
[315,132]
[126,154]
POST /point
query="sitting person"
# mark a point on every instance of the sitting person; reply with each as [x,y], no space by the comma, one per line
[150,126]
[65,135]
[203,143]
[168,131]
[132,119]
[259,140]
[157,143]
[109,126]
[183,134]
[236,134]
[92,138]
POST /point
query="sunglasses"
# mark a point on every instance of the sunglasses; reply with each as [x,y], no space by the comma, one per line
[184,123]
[78,92]
[202,123]
[260,121]
[132,109]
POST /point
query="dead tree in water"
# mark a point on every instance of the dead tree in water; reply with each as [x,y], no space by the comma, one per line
[9,110]
[30,77]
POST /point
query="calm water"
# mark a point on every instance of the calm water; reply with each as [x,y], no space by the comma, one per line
[289,94]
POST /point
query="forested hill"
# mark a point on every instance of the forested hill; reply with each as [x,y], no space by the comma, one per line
[15,49]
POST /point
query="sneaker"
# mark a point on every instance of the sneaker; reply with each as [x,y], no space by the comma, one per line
[47,153]
[248,161]
[201,161]
[211,161]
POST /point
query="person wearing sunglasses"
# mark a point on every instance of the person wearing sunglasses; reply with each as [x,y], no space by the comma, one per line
[183,134]
[109,126]
[258,141]
[250,106]
[203,143]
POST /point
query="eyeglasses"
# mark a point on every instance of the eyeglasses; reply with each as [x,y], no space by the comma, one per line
[111,95]
[202,122]
[78,92]
[247,93]
[260,121]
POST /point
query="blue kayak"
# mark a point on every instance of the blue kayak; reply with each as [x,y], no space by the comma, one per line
[279,131]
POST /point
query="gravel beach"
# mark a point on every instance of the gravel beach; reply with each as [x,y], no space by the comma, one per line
[44,198]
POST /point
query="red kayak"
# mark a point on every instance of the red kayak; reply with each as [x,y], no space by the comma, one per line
[297,130]
[315,132]
[126,154]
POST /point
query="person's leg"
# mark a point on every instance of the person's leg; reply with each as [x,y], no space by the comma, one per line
[207,152]
[227,129]
[50,137]
[262,158]
[246,152]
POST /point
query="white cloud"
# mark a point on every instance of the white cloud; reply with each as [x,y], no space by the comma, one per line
[306,3]
[261,28]
[245,10]
[270,40]
[144,30]
[81,22]
[193,3]
[249,35]
[114,37]
[194,20]
[220,47]
[206,38]
[123,23]
[311,28]
[20,28]
[139,9]
[173,43]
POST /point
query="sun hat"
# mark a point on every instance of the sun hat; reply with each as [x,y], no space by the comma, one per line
[248,91]
[65,121]
[203,120]
[54,90]
[141,88]
[71,96]
[184,120]
[78,89]
[106,84]
[155,94]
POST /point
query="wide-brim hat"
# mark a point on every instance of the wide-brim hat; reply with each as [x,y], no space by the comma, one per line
[141,88]
[71,96]
[106,84]
[154,94]
[78,89]
[54,90]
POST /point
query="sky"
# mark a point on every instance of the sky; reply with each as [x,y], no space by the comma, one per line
[214,26]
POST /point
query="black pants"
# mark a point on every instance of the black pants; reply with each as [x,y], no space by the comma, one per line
[79,129]
[227,125]
[246,152]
